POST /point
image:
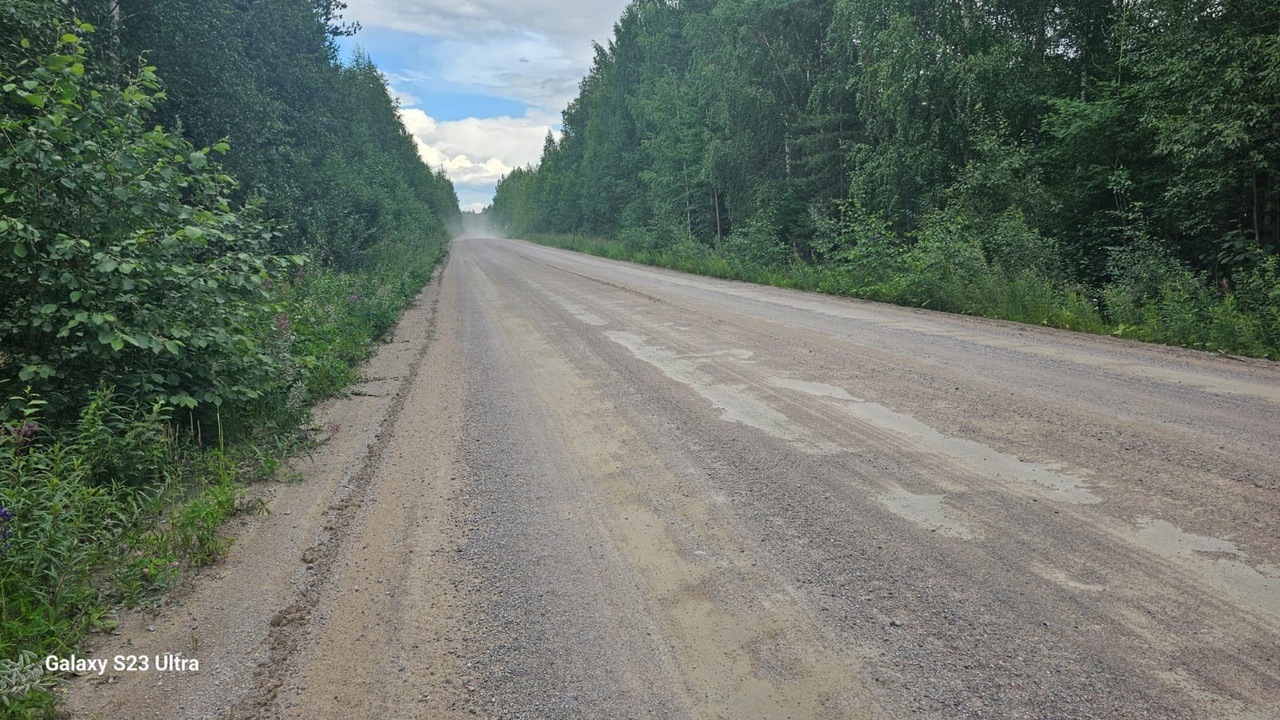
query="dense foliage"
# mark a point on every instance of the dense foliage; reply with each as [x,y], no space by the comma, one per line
[131,255]
[1125,153]
[121,240]
[318,142]
[206,219]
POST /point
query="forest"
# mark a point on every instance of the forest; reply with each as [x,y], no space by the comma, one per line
[207,218]
[1103,165]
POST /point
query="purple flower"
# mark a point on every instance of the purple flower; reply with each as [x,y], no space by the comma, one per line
[282,324]
[5,533]
[25,433]
[353,298]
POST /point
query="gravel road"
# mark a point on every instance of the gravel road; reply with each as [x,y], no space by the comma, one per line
[577,488]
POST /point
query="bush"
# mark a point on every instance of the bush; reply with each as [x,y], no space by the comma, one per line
[867,254]
[110,510]
[756,242]
[65,517]
[25,688]
[1154,297]
[1258,291]
[124,257]
[945,269]
[108,513]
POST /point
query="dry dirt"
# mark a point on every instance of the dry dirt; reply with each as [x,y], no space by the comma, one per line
[576,488]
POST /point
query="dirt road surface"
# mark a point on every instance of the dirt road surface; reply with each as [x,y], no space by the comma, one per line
[576,488]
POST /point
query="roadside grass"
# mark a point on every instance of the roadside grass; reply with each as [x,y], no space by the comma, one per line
[1178,308]
[110,510]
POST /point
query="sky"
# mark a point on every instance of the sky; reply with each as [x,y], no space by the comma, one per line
[481,82]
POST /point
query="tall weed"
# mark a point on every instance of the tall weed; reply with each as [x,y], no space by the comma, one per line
[1156,298]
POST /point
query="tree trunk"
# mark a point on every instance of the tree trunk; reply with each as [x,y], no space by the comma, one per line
[715,199]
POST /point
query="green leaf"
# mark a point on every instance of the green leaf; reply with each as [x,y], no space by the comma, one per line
[117,343]
[20,249]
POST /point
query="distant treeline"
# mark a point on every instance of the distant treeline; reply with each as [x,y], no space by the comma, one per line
[1125,151]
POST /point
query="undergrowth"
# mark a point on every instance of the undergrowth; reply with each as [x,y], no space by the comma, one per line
[110,509]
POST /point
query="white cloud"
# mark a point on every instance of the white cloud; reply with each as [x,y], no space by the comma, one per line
[529,69]
[477,151]
[535,51]
[563,21]
[400,96]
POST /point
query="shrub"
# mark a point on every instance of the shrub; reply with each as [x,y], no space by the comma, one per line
[107,513]
[63,522]
[943,266]
[861,246]
[1258,291]
[756,242]
[123,256]
[1154,297]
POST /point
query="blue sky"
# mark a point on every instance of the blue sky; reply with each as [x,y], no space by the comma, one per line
[481,82]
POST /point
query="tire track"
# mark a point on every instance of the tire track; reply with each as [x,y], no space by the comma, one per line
[291,624]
